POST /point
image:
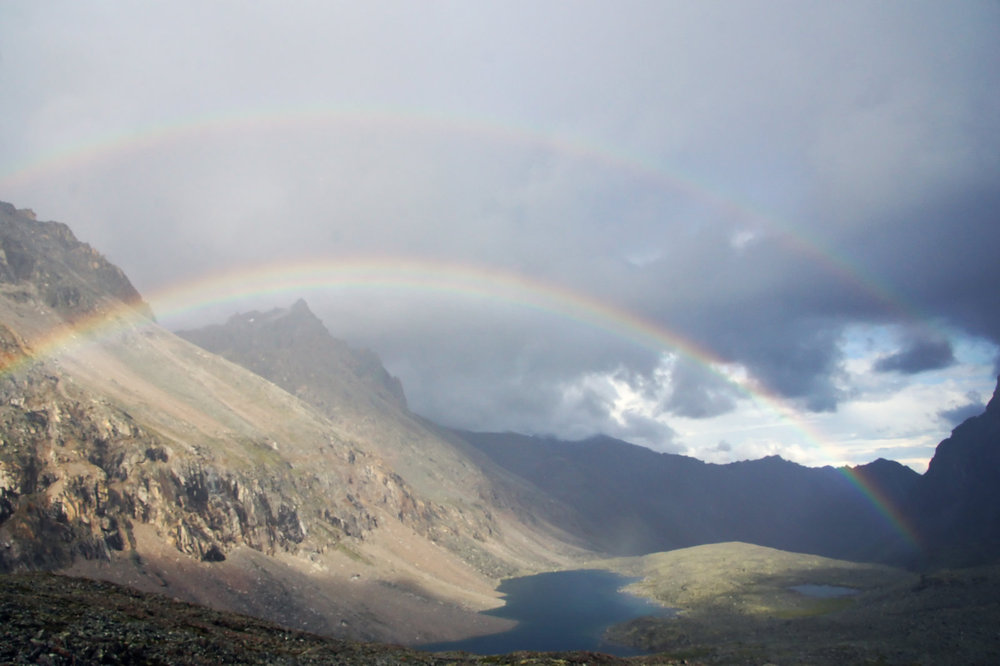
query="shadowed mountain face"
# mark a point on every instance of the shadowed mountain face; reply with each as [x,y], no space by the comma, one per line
[633,500]
[957,502]
[638,501]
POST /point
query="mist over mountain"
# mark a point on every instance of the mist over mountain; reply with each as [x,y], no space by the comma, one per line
[293,349]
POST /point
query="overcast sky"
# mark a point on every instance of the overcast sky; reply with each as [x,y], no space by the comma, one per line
[726,229]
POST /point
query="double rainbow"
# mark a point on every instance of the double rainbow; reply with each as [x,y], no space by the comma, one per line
[475,281]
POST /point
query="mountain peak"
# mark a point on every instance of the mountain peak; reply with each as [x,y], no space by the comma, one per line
[45,261]
[291,347]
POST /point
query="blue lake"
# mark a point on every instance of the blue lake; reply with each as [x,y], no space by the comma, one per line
[563,610]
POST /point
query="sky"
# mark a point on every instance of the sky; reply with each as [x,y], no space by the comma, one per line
[722,229]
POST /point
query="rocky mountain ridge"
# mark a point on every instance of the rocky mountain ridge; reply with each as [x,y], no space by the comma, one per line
[56,269]
[636,500]
[666,501]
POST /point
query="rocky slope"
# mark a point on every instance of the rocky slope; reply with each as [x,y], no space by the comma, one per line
[130,454]
[293,349]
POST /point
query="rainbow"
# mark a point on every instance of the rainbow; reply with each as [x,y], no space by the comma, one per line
[494,284]
[120,145]
[474,281]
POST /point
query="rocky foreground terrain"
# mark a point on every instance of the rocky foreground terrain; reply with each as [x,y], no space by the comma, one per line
[736,602]
[51,619]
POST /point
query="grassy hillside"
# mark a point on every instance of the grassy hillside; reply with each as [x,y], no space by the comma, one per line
[737,606]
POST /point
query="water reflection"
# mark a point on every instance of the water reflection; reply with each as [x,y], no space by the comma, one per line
[824,591]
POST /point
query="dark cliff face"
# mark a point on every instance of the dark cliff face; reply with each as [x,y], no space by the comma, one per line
[957,505]
[46,260]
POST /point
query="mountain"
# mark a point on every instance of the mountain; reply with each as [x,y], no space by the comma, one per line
[44,262]
[132,455]
[957,503]
[616,497]
[632,500]
[276,471]
[635,500]
[293,349]
[609,495]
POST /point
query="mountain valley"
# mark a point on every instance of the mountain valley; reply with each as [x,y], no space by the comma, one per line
[263,467]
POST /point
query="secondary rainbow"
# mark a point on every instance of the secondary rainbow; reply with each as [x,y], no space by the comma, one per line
[312,117]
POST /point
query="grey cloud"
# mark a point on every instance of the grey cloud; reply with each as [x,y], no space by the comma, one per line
[857,143]
[959,413]
[697,392]
[640,429]
[919,356]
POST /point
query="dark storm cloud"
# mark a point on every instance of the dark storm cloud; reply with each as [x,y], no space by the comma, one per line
[957,415]
[696,392]
[921,355]
[753,179]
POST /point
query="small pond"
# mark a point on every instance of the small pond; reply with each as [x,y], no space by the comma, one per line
[563,610]
[824,591]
